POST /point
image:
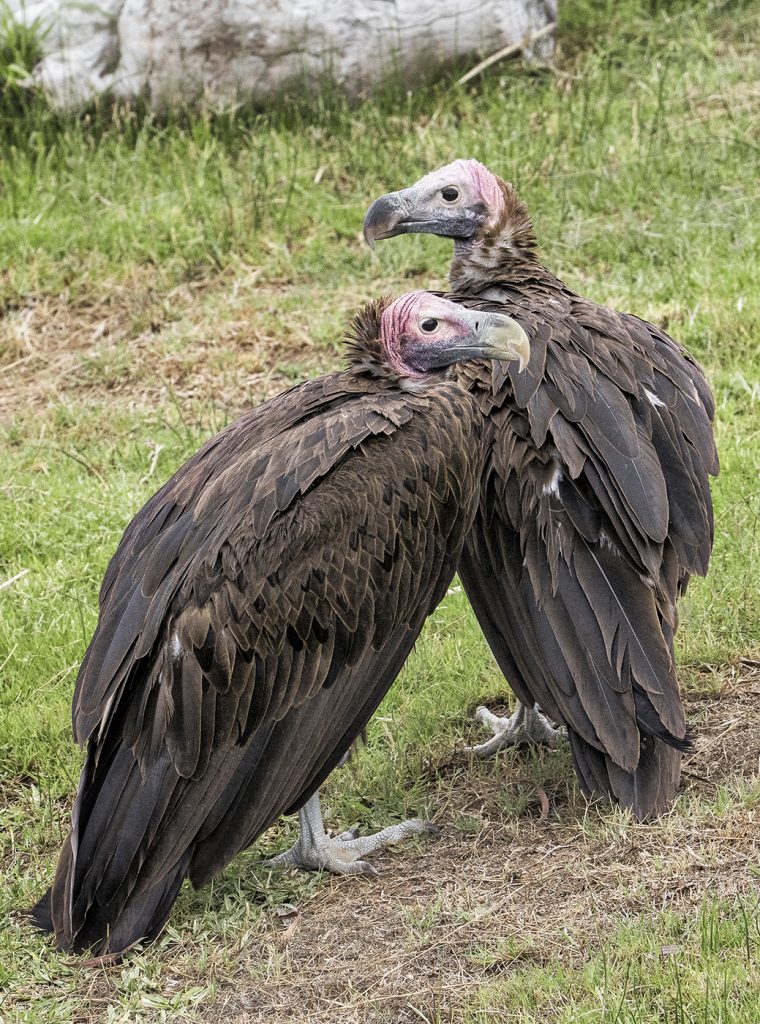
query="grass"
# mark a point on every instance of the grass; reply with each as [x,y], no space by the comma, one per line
[158,275]
[666,968]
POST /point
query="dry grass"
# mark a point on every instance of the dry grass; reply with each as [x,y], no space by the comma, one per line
[547,890]
[136,346]
[493,894]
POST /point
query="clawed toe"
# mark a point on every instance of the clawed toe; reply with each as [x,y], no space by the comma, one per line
[348,835]
[342,855]
[526,725]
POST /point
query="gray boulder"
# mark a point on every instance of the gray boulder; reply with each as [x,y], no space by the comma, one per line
[179,51]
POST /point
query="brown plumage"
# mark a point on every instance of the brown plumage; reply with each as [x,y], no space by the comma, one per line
[254,615]
[595,503]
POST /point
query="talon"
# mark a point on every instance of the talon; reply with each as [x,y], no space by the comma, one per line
[314,850]
[526,725]
[431,829]
[348,835]
[363,867]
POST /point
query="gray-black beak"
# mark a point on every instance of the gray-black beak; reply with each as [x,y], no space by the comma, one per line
[404,213]
[385,218]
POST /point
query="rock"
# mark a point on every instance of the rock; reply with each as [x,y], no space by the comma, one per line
[180,51]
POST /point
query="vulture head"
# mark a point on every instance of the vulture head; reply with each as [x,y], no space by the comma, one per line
[463,201]
[422,334]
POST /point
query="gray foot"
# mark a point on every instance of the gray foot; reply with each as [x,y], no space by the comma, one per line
[526,725]
[314,850]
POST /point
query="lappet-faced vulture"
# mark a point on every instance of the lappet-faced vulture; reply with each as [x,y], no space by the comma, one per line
[256,612]
[595,505]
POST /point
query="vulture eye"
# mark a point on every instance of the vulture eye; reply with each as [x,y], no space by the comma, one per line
[450,194]
[429,324]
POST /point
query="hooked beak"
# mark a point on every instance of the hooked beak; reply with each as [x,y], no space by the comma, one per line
[404,213]
[392,215]
[499,337]
[385,218]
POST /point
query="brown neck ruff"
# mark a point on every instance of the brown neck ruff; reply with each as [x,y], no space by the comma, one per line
[506,246]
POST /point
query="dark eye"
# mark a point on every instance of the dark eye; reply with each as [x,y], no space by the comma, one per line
[429,324]
[450,194]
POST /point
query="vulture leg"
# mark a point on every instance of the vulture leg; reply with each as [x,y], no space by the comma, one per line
[314,850]
[526,725]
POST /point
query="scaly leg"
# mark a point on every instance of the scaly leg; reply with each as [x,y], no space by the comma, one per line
[314,850]
[526,725]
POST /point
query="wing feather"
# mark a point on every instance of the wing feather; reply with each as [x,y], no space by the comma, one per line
[595,509]
[260,658]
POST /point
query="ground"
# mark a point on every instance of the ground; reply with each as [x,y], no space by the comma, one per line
[484,900]
[159,276]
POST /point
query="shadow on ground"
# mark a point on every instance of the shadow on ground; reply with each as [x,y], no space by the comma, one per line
[542,888]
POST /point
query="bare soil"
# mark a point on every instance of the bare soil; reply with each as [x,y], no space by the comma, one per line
[460,907]
[136,345]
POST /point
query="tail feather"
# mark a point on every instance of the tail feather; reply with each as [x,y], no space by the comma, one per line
[648,791]
[41,915]
[140,919]
[105,895]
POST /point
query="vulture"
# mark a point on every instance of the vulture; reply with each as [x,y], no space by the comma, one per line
[256,612]
[595,503]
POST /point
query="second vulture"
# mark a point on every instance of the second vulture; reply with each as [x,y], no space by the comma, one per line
[257,610]
[595,502]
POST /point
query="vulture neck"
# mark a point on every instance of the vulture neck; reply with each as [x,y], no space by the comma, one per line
[368,365]
[505,252]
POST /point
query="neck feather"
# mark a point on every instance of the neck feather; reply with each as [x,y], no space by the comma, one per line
[506,245]
[364,348]
[368,359]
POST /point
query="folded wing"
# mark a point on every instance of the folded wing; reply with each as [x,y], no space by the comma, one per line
[595,510]
[256,612]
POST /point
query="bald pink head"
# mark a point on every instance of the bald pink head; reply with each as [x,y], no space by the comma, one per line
[422,334]
[463,201]
[471,176]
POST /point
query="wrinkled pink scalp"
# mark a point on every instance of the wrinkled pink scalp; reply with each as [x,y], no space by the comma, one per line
[484,181]
[395,321]
[484,185]
[401,319]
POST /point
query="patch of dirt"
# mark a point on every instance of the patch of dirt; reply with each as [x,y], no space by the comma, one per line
[503,887]
[727,731]
[135,344]
[470,904]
